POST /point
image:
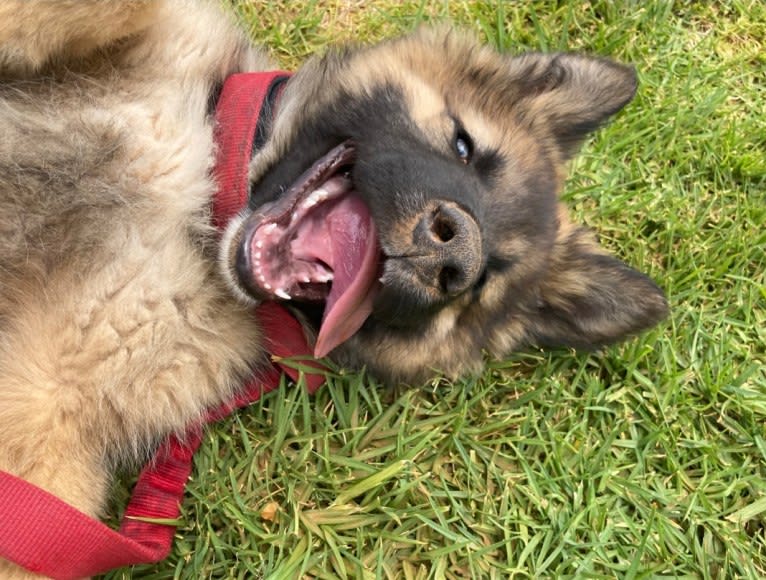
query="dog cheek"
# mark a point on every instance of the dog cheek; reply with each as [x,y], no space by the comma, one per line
[507,338]
[413,355]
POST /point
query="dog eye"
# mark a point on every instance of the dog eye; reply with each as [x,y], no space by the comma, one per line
[463,145]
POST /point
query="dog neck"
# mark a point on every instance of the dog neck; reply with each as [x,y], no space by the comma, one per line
[244,110]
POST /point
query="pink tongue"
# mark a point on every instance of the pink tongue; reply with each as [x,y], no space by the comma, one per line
[355,252]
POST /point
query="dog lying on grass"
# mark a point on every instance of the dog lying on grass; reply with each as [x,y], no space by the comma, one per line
[405,205]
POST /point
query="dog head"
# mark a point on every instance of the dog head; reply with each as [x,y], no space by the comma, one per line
[407,204]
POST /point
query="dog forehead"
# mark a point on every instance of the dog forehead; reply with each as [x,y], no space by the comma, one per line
[426,106]
[445,89]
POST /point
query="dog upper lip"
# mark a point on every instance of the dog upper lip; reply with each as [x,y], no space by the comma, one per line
[283,207]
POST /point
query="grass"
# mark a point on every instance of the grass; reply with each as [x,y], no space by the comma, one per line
[645,460]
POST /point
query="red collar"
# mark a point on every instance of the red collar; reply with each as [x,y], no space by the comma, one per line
[242,117]
[76,545]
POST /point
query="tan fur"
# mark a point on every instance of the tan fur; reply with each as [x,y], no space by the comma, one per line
[33,34]
[114,325]
[119,322]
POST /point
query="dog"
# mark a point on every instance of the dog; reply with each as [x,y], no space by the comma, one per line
[405,206]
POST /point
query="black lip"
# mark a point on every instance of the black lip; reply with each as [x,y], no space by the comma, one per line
[242,259]
[320,170]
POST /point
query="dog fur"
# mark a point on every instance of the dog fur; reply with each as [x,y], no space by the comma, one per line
[121,312]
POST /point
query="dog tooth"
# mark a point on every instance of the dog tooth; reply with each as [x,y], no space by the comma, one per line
[306,279]
[282,294]
[257,255]
[258,243]
[324,275]
[267,286]
[318,195]
[268,229]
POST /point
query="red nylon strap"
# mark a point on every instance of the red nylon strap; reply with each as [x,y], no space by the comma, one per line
[43,534]
[237,113]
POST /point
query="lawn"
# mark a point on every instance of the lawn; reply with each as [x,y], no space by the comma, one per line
[643,460]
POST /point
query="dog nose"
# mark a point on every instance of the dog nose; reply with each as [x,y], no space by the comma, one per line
[448,243]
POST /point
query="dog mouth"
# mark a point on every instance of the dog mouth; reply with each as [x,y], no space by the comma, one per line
[316,243]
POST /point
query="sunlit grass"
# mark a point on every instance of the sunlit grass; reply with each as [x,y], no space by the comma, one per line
[645,460]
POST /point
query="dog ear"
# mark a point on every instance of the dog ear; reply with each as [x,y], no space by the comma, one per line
[572,94]
[589,298]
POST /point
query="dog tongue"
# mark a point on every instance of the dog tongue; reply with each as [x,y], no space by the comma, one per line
[354,260]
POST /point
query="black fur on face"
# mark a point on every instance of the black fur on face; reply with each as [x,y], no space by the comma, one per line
[401,176]
[478,252]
